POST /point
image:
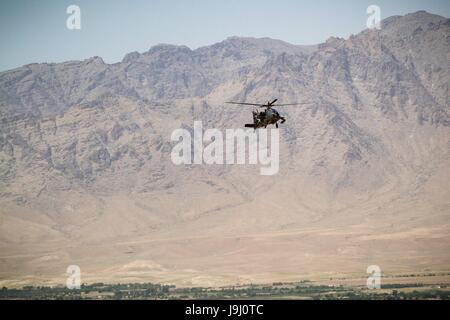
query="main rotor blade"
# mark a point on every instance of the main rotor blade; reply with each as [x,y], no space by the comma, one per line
[291,104]
[247,104]
[271,103]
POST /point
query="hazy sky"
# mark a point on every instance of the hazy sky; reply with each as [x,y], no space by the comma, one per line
[35,31]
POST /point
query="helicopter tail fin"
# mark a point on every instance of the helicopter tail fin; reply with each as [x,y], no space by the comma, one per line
[249,125]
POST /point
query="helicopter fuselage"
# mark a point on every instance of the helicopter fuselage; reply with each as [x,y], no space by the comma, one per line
[265,118]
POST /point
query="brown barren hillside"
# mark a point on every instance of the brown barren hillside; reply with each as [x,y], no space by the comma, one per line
[86,176]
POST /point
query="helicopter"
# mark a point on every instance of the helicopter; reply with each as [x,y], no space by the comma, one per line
[266,117]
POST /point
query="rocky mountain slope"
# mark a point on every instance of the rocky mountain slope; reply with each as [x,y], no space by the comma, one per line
[86,176]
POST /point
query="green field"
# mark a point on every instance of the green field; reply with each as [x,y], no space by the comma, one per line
[302,290]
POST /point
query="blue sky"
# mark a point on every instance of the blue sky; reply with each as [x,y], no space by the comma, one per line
[35,31]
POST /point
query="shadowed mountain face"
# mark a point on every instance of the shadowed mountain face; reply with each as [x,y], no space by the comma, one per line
[86,176]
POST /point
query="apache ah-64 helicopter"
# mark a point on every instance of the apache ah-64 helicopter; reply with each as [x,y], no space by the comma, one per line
[267,116]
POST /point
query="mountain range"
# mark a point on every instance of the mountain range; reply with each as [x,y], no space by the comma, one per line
[86,176]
